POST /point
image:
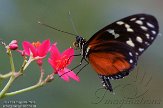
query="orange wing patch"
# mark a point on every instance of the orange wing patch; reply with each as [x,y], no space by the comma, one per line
[108,63]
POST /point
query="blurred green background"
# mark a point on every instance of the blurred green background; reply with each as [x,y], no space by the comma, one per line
[18,20]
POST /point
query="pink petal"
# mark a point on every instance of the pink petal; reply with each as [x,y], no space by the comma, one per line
[63,75]
[69,54]
[52,63]
[14,42]
[44,48]
[29,47]
[71,74]
[54,52]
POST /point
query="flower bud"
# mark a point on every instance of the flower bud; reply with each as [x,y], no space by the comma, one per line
[13,45]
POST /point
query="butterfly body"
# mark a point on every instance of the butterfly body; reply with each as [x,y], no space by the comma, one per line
[114,50]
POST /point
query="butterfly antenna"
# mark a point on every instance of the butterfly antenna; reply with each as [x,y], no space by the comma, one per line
[46,25]
[72,22]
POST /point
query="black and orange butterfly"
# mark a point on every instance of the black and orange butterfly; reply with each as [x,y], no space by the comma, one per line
[114,50]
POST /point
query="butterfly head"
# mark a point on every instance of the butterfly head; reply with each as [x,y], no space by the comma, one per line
[79,42]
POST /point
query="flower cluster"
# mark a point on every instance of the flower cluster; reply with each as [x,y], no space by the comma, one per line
[36,52]
[59,61]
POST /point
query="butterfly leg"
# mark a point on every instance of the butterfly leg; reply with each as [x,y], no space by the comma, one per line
[106,83]
[77,65]
[83,66]
[67,63]
[73,56]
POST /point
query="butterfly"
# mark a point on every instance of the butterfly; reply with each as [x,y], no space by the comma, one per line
[114,50]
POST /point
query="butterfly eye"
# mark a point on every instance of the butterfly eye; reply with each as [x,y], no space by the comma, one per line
[75,45]
[79,39]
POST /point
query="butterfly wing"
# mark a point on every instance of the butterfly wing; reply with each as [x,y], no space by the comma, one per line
[112,59]
[113,51]
[137,31]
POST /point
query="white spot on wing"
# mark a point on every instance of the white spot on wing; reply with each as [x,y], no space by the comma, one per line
[139,22]
[130,54]
[129,42]
[120,22]
[113,33]
[141,49]
[127,26]
[131,61]
[137,53]
[133,19]
[147,35]
[139,39]
[147,43]
[144,28]
[142,18]
[154,32]
[129,29]
[116,36]
[150,25]
[152,38]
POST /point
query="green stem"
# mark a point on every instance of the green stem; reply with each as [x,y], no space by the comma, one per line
[12,77]
[22,67]
[11,61]
[25,89]
[41,74]
[27,63]
[5,75]
[49,78]
[5,89]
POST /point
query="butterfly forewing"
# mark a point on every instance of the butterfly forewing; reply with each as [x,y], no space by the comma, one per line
[137,31]
[113,51]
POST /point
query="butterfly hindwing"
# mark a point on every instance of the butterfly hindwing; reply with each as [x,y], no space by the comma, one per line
[112,59]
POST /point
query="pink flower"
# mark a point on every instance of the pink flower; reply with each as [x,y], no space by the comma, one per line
[13,45]
[36,50]
[60,61]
